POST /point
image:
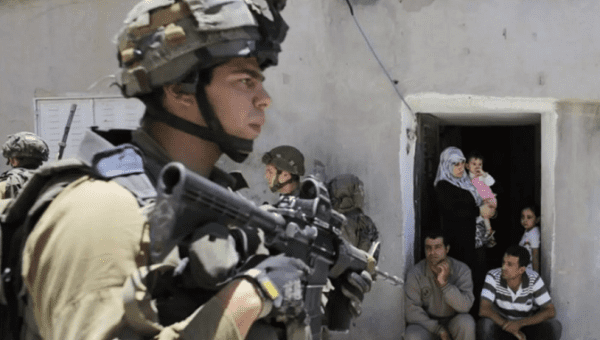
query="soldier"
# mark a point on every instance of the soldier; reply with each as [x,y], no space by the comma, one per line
[283,167]
[197,66]
[24,152]
[347,197]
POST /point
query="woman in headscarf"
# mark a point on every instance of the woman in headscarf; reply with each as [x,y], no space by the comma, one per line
[459,206]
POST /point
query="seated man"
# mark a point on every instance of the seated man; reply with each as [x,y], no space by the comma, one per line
[516,303]
[439,295]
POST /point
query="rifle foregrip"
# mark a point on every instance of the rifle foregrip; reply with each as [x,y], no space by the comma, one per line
[353,259]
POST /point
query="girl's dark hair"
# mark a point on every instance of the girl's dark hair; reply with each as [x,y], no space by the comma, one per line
[532,207]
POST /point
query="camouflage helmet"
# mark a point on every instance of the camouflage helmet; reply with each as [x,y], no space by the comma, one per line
[285,158]
[25,145]
[347,192]
[164,41]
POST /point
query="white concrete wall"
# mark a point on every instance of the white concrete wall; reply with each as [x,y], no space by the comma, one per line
[334,102]
[575,276]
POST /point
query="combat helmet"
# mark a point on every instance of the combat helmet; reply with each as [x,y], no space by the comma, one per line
[346,192]
[25,145]
[173,41]
[285,158]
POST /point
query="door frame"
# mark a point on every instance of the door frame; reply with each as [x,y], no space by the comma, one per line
[484,109]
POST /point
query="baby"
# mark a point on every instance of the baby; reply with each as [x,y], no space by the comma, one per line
[482,182]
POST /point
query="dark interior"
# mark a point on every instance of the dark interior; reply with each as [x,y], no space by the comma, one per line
[511,155]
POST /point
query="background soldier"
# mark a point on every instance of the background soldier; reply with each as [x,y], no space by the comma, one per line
[348,197]
[283,167]
[24,151]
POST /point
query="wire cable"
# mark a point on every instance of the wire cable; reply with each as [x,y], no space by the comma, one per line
[387,74]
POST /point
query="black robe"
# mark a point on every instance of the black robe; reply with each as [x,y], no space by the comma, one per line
[458,211]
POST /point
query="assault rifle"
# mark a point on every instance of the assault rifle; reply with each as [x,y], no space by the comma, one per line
[63,143]
[304,227]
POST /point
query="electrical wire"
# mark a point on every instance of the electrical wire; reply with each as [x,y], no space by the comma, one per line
[410,132]
[387,74]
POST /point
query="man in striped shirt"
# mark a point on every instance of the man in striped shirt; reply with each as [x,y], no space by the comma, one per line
[515,302]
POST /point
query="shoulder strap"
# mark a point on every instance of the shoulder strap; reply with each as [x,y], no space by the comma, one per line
[123,163]
[42,178]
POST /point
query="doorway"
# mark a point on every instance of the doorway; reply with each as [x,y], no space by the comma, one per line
[512,155]
[465,110]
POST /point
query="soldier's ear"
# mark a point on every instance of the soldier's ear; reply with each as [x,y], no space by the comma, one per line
[174,94]
[284,176]
[13,161]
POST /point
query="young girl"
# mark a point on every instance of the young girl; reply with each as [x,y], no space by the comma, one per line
[531,237]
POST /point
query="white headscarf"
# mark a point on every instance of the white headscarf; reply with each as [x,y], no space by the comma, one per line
[449,157]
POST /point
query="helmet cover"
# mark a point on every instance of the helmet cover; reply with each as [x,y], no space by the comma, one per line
[163,41]
[285,158]
[25,145]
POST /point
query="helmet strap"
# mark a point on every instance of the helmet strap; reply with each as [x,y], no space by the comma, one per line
[234,147]
[277,186]
[200,131]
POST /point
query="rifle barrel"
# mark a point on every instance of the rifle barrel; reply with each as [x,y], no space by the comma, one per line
[396,280]
[63,143]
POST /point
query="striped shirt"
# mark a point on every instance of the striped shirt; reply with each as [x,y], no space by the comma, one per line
[530,297]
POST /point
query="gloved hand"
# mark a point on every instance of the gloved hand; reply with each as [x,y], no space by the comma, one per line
[346,299]
[280,279]
[354,288]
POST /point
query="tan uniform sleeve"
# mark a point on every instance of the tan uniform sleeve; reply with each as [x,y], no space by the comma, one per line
[215,320]
[78,256]
[2,189]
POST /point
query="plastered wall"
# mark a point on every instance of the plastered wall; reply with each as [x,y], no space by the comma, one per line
[332,100]
[576,262]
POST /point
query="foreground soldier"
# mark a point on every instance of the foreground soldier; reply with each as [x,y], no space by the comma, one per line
[283,167]
[197,66]
[24,152]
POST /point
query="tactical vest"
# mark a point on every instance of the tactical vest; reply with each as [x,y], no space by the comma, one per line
[15,180]
[97,158]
